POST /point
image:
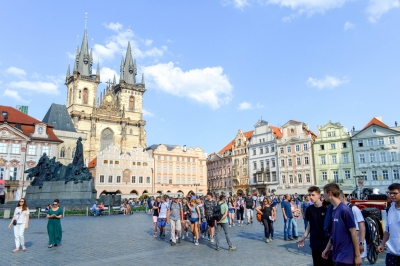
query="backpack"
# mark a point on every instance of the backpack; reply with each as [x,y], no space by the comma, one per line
[217,215]
[204,226]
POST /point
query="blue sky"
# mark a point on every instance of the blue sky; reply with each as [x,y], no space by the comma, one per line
[214,66]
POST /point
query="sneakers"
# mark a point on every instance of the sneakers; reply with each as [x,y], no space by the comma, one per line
[179,240]
[229,226]
[233,224]
[232,248]
[196,243]
[251,221]
[173,244]
[183,236]
[290,238]
[212,240]
[285,239]
[270,239]
[217,248]
[267,240]
[296,237]
[155,235]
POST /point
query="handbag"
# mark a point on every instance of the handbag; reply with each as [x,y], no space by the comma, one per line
[259,217]
[15,220]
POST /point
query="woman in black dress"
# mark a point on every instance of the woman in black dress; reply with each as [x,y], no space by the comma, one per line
[268,217]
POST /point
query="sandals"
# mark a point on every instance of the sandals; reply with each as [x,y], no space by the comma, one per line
[15,250]
[23,248]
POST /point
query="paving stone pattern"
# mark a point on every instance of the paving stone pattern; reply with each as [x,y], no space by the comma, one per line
[128,240]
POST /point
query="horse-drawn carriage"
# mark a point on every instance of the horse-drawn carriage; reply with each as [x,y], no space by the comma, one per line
[373,210]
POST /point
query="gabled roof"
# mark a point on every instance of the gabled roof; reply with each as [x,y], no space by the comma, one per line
[93,163]
[228,147]
[26,122]
[58,116]
[155,146]
[377,122]
[277,131]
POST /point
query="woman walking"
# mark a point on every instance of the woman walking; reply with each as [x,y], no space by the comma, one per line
[185,218]
[231,212]
[268,214]
[194,220]
[21,218]
[239,210]
[54,229]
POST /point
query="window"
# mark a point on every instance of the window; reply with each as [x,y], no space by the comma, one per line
[261,150]
[188,159]
[46,149]
[194,170]
[289,162]
[344,145]
[282,162]
[299,178]
[334,161]
[306,161]
[254,165]
[118,179]
[13,173]
[272,148]
[15,148]
[365,175]
[321,147]
[333,146]
[101,179]
[297,147]
[117,163]
[380,141]
[188,180]
[183,180]
[148,180]
[32,150]
[170,180]
[308,180]
[62,152]
[289,149]
[140,179]
[281,150]
[324,176]
[391,140]
[110,179]
[360,143]
[374,175]
[159,157]
[347,174]
[254,152]
[85,96]
[2,173]
[266,150]
[3,147]
[393,156]
[323,161]
[372,157]
[105,162]
[362,158]
[298,161]
[194,180]
[292,131]
[385,174]
[283,179]
[170,168]
[106,138]
[131,103]
[370,142]
[396,174]
[336,176]
[383,156]
[345,158]
[165,168]
[133,179]
[290,179]
[165,180]
[273,162]
[158,179]
[305,146]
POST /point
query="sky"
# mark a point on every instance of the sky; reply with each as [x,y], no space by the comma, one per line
[213,67]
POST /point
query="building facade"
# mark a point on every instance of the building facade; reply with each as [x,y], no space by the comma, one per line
[263,158]
[116,117]
[376,154]
[129,174]
[179,170]
[295,158]
[23,140]
[333,157]
[219,174]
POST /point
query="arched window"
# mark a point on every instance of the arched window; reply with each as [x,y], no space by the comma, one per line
[62,152]
[85,96]
[106,138]
[131,103]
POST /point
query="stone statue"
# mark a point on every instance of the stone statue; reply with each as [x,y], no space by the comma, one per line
[78,158]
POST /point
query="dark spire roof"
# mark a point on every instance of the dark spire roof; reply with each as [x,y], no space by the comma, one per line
[58,116]
[128,68]
[84,60]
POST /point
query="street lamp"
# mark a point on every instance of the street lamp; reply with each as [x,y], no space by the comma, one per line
[359,179]
[196,185]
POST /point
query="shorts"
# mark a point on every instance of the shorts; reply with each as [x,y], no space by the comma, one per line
[155,219]
[162,222]
[231,211]
[210,221]
[194,220]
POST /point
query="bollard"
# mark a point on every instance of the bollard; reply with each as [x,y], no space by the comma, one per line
[87,211]
[63,211]
[109,210]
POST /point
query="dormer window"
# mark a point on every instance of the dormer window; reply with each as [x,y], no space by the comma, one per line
[40,130]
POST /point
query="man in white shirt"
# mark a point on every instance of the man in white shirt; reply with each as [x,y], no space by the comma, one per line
[392,228]
[162,216]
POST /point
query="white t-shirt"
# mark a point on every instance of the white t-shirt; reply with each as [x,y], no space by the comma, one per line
[358,217]
[163,210]
[393,227]
[20,215]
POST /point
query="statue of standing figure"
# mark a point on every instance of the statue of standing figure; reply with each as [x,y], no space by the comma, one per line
[78,158]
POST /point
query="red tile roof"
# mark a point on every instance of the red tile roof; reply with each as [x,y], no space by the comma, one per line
[27,123]
[277,131]
[93,163]
[377,122]
[228,147]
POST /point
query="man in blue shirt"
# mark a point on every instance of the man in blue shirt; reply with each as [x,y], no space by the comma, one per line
[287,217]
[344,240]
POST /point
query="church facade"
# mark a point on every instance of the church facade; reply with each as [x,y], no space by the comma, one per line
[113,118]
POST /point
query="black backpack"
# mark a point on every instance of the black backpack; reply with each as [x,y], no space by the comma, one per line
[217,215]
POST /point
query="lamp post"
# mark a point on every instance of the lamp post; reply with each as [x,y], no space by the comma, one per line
[196,185]
[359,179]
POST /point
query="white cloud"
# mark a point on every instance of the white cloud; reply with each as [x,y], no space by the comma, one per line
[307,6]
[36,86]
[147,113]
[14,95]
[248,106]
[107,74]
[376,8]
[349,26]
[116,45]
[328,82]
[207,86]
[20,73]
[240,4]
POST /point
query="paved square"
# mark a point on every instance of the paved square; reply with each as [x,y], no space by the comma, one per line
[127,240]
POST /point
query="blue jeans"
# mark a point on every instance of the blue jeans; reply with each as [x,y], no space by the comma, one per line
[294,227]
[287,231]
[305,224]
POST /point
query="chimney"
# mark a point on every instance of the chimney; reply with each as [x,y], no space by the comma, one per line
[379,118]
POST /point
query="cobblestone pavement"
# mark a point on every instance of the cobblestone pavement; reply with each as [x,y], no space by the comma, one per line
[127,240]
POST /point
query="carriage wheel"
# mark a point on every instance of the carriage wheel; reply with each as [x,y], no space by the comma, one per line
[372,253]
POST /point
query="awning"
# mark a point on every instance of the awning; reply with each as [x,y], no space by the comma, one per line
[128,196]
[153,194]
[292,191]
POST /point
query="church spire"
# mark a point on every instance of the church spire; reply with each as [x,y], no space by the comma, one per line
[114,82]
[129,69]
[98,69]
[143,78]
[85,58]
[68,72]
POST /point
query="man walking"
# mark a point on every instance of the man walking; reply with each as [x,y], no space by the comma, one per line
[162,217]
[250,204]
[222,222]
[175,214]
[209,204]
[392,228]
[287,217]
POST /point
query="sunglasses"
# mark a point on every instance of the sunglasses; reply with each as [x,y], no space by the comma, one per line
[21,201]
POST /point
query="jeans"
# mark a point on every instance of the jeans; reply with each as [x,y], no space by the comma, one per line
[294,227]
[175,225]
[305,224]
[228,238]
[19,230]
[268,227]
[95,212]
[239,215]
[287,231]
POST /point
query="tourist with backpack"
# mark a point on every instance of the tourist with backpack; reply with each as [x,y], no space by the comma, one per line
[220,216]
[268,215]
[175,214]
[391,236]
[208,206]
